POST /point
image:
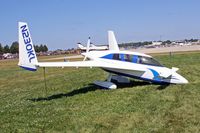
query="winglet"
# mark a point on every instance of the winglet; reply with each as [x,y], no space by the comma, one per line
[27,55]
[87,49]
[112,41]
[88,45]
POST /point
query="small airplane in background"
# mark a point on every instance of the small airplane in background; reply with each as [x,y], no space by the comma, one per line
[121,65]
[92,46]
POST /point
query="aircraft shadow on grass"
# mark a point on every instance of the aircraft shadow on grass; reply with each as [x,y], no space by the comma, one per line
[162,87]
[92,87]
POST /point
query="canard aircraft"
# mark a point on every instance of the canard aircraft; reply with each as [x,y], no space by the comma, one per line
[121,65]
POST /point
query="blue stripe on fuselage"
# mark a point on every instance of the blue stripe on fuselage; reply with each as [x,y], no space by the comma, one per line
[156,75]
[136,77]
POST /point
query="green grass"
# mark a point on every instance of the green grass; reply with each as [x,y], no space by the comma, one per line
[72,104]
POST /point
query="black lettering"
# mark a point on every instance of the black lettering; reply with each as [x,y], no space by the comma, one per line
[30,53]
[23,28]
[28,47]
[27,40]
[25,34]
[31,58]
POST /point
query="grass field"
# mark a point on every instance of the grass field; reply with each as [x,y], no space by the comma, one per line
[72,104]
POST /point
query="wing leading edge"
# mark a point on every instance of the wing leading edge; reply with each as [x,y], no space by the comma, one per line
[92,63]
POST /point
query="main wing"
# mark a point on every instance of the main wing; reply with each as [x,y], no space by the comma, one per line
[91,63]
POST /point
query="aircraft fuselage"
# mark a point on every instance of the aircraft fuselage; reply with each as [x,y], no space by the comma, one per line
[140,66]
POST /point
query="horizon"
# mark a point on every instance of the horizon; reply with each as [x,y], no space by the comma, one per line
[62,24]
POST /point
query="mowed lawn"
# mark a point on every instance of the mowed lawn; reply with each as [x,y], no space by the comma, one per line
[72,104]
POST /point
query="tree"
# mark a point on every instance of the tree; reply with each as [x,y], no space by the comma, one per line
[45,48]
[1,49]
[14,48]
[37,49]
[41,47]
[6,49]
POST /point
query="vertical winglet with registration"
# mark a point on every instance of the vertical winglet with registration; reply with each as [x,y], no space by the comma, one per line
[27,55]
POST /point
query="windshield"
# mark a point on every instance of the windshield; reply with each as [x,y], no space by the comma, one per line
[133,58]
[148,61]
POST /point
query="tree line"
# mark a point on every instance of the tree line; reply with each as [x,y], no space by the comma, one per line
[135,44]
[14,48]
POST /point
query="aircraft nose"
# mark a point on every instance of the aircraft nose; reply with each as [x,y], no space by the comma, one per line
[180,79]
[184,81]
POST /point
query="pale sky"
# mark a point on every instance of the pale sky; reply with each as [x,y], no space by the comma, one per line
[63,23]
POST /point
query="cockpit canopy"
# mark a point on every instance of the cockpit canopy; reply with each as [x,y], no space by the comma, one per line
[133,58]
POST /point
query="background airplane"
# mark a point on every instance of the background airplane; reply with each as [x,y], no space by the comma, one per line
[92,46]
[121,65]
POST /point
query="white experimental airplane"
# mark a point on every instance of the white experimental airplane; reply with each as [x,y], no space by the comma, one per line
[92,46]
[120,65]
